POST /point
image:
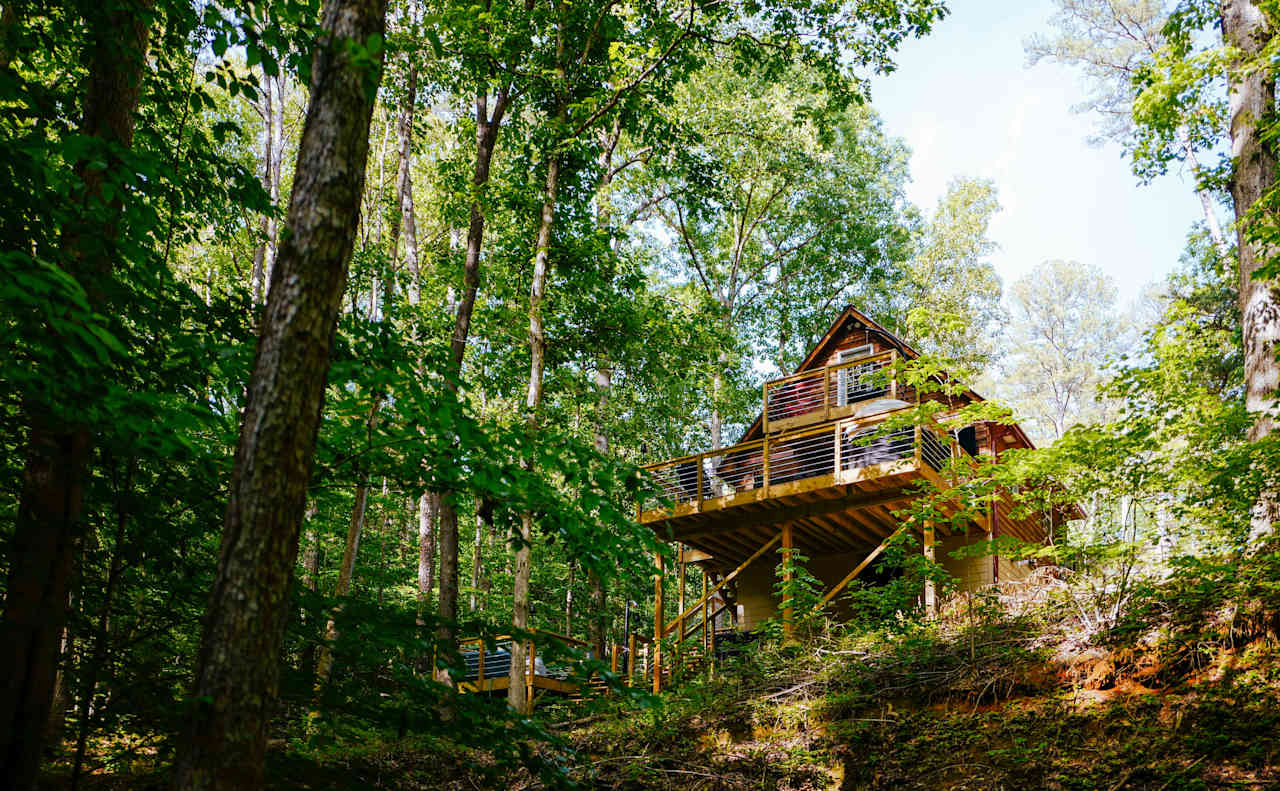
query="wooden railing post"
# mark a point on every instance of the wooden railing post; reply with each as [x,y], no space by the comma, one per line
[826,393]
[698,461]
[613,659]
[480,670]
[838,459]
[893,381]
[764,412]
[764,457]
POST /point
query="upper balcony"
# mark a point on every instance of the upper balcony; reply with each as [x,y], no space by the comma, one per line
[831,392]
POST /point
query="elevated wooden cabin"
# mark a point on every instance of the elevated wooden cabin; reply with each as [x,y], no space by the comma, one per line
[804,477]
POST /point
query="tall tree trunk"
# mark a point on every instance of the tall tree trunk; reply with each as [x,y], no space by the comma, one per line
[407,223]
[267,111]
[343,587]
[599,604]
[516,692]
[568,598]
[484,524]
[487,129]
[1245,28]
[428,512]
[223,745]
[47,528]
[447,606]
[1218,238]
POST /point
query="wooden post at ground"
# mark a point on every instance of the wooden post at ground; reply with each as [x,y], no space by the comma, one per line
[659,618]
[613,659]
[705,655]
[711,651]
[930,590]
[788,577]
[528,700]
[631,660]
[679,649]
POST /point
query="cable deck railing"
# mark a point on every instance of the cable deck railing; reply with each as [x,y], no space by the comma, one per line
[798,460]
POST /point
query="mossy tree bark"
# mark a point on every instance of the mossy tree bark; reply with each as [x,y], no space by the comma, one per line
[223,745]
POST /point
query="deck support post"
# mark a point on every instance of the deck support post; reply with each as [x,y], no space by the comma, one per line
[613,659]
[711,647]
[705,656]
[788,544]
[631,660]
[659,618]
[930,590]
[529,678]
[679,649]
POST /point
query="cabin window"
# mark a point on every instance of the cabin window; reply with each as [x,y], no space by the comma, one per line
[849,384]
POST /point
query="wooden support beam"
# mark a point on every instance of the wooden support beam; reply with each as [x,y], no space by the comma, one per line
[694,556]
[660,631]
[705,584]
[855,500]
[631,660]
[842,584]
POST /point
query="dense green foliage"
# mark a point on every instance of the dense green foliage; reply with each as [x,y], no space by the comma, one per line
[725,187]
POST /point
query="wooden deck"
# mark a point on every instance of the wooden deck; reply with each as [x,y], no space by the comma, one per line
[837,485]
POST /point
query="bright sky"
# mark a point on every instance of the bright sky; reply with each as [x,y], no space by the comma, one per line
[967,105]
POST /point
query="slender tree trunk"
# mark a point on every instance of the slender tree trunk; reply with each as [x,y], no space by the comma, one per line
[407,224]
[516,692]
[717,421]
[447,608]
[47,527]
[343,587]
[346,570]
[428,512]
[1245,27]
[599,602]
[486,138]
[223,745]
[484,516]
[268,168]
[568,598]
[1216,235]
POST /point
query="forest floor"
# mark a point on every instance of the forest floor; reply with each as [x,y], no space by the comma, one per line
[1020,691]
[1011,693]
